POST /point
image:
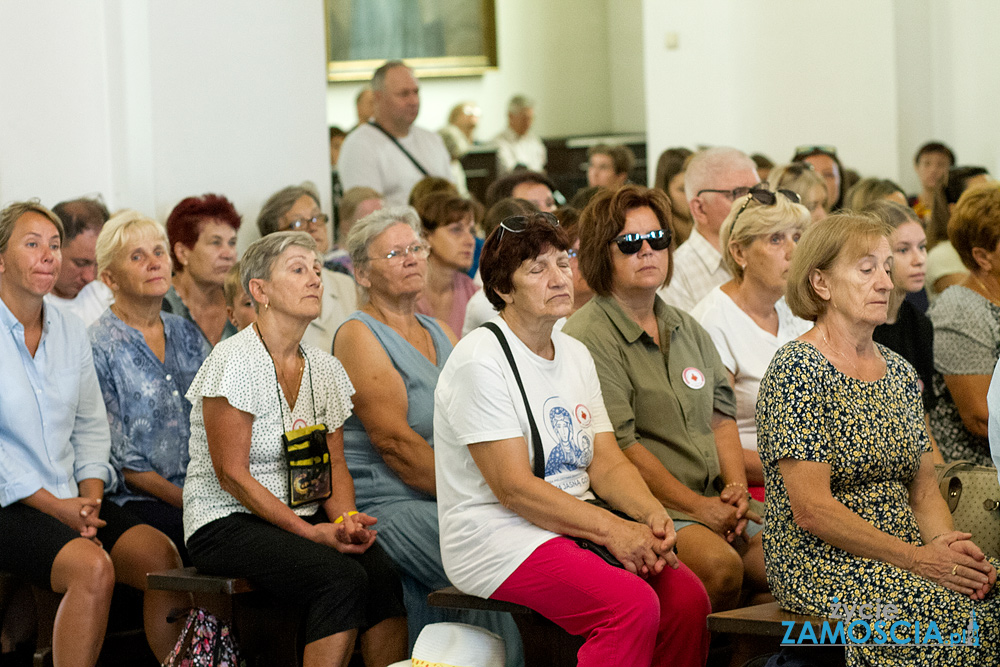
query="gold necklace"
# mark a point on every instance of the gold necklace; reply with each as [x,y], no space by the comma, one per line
[843,356]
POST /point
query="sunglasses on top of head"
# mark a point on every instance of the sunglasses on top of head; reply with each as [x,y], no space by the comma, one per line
[629,244]
[764,197]
[518,223]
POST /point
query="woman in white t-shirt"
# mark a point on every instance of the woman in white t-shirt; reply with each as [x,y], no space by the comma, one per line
[268,495]
[747,317]
[512,530]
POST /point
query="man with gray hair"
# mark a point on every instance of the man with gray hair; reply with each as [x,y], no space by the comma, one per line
[389,153]
[78,289]
[714,179]
[518,146]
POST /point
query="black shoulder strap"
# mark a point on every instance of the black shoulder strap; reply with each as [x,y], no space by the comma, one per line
[536,440]
[399,146]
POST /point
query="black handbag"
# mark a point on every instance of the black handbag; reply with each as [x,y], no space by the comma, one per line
[539,456]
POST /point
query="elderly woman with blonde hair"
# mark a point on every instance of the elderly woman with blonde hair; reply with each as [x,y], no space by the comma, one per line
[141,351]
[747,317]
[853,513]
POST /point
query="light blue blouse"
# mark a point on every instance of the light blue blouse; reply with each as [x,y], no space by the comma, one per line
[53,427]
[147,411]
[374,481]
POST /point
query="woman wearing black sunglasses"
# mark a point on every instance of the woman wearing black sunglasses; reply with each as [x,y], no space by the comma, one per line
[666,389]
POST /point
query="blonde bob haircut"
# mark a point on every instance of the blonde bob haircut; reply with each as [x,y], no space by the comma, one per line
[124,228]
[841,237]
[759,220]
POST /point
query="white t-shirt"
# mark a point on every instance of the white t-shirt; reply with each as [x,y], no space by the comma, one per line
[88,305]
[240,369]
[477,400]
[746,350]
[514,149]
[369,158]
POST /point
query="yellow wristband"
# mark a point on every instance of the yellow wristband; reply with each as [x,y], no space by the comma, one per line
[340,519]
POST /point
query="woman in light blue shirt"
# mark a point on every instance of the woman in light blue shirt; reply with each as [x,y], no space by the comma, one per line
[54,468]
[145,360]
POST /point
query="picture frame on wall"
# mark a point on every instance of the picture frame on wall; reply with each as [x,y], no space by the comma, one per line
[437,38]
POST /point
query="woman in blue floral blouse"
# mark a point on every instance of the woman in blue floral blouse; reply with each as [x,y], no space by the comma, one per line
[145,361]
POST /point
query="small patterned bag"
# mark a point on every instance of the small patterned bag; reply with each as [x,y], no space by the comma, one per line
[973,496]
[205,641]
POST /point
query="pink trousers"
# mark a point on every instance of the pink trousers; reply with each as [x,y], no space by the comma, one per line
[625,619]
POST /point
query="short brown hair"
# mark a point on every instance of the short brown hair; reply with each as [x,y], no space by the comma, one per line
[822,245]
[975,222]
[622,157]
[505,251]
[12,213]
[604,219]
[440,209]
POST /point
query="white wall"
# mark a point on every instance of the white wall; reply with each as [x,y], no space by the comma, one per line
[149,101]
[555,51]
[627,91]
[54,128]
[767,75]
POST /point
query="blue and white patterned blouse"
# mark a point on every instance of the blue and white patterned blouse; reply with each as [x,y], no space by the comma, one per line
[147,411]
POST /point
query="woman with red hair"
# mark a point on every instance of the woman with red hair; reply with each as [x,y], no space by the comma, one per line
[202,234]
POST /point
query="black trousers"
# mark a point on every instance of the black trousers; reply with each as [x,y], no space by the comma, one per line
[337,591]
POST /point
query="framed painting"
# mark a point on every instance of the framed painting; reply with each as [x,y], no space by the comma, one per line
[437,38]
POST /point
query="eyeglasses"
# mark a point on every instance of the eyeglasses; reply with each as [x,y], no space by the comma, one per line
[804,151]
[764,197]
[733,194]
[518,223]
[418,250]
[307,223]
[629,244]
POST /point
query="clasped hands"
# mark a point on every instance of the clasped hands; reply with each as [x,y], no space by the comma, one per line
[954,561]
[728,513]
[351,534]
[644,548]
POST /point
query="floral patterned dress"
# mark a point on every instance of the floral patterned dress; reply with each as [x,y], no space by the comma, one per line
[872,435]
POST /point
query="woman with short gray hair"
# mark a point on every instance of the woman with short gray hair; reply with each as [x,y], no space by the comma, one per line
[393,355]
[296,208]
[268,495]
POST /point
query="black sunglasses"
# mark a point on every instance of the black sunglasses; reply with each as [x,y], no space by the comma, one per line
[518,223]
[764,197]
[629,244]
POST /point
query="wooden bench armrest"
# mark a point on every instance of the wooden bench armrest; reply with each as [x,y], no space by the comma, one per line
[188,579]
[765,620]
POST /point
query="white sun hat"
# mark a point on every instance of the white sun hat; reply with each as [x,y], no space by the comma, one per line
[456,645]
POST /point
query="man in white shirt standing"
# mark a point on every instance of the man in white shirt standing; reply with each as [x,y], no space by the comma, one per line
[389,153]
[713,180]
[518,146]
[77,289]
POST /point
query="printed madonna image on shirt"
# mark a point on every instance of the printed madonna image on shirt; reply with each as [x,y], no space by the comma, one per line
[880,624]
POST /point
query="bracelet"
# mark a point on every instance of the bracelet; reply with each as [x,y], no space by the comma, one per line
[739,484]
[340,519]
